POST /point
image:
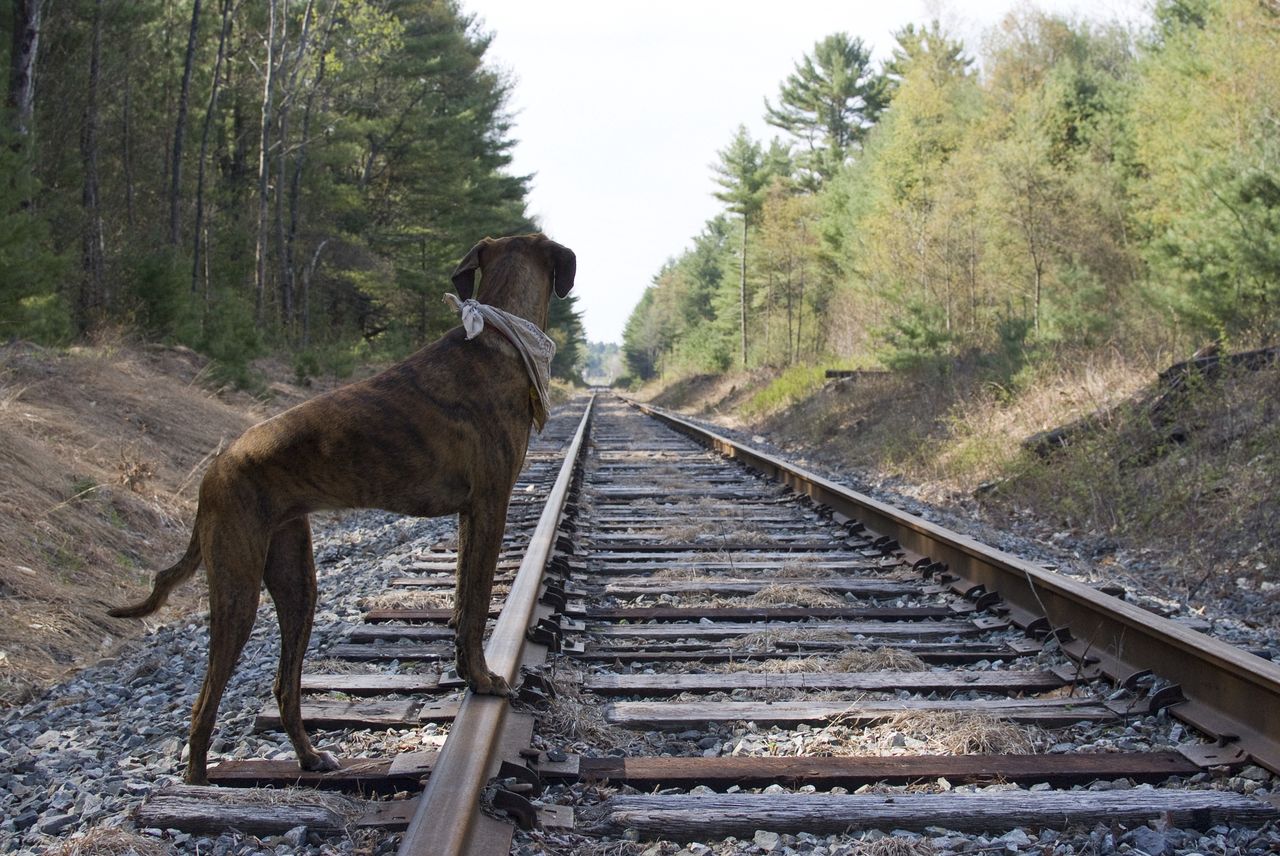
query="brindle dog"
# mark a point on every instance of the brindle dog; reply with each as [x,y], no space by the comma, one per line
[443,432]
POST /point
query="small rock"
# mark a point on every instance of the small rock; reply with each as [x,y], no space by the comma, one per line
[47,739]
[1255,773]
[54,823]
[1016,838]
[767,841]
[1149,841]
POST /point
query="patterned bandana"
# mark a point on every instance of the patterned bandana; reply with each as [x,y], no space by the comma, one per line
[535,346]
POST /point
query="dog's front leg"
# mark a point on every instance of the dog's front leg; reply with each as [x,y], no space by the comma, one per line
[479,545]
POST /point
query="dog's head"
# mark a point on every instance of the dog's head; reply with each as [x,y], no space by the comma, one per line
[508,264]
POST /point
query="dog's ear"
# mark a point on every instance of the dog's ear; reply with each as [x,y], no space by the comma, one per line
[564,265]
[464,275]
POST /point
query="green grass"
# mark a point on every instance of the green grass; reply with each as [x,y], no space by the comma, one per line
[82,486]
[786,389]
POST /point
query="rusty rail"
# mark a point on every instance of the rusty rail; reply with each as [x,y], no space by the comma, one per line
[448,820]
[1228,693]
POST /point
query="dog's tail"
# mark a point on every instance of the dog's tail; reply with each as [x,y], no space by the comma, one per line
[166,581]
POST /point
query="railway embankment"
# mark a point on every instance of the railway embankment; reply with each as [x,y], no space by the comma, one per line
[1184,506]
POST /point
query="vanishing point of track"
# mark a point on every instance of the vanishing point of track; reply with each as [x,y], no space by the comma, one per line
[698,604]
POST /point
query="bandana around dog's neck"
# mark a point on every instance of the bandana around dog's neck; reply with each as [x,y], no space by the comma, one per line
[535,346]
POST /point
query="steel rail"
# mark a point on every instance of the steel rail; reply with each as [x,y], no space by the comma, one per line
[1230,694]
[448,820]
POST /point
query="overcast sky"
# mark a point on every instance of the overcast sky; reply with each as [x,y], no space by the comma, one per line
[621,105]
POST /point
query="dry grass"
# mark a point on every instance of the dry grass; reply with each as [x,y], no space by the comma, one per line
[692,570]
[409,599]
[878,660]
[101,452]
[958,733]
[342,667]
[576,716]
[802,568]
[852,660]
[893,846]
[794,595]
[713,531]
[687,533]
[103,841]
[778,666]
[749,537]
[767,639]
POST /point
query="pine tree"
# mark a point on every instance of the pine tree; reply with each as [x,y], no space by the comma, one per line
[828,104]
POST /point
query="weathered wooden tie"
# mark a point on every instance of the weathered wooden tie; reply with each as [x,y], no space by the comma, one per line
[685,818]
[680,715]
[921,682]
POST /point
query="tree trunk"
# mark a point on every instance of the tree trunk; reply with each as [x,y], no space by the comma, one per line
[210,111]
[742,292]
[180,131]
[92,296]
[126,130]
[264,169]
[305,297]
[295,186]
[790,317]
[800,317]
[22,64]
[284,246]
[1039,284]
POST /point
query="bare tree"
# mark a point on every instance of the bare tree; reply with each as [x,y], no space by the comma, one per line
[180,130]
[295,184]
[264,164]
[210,111]
[22,63]
[283,247]
[92,287]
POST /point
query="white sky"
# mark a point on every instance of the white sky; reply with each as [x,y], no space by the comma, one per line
[621,105]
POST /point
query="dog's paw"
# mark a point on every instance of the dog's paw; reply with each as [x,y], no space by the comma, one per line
[490,684]
[320,761]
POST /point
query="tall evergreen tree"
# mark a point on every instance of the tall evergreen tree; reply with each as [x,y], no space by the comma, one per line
[743,172]
[829,103]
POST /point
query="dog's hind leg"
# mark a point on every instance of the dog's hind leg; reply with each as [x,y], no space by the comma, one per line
[291,580]
[235,582]
[479,544]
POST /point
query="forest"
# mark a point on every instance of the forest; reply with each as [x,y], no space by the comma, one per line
[1071,185]
[246,178]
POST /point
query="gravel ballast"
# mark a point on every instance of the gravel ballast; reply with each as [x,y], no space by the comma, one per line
[85,754]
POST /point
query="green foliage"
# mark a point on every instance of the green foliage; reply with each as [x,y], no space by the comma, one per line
[29,265]
[792,385]
[828,103]
[564,326]
[338,360]
[388,157]
[1205,122]
[232,339]
[157,285]
[603,363]
[916,338]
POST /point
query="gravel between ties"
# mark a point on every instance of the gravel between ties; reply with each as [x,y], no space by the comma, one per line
[89,751]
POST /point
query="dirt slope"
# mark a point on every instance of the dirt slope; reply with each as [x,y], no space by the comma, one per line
[101,453]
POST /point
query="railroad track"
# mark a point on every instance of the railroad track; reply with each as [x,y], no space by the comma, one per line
[755,653]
